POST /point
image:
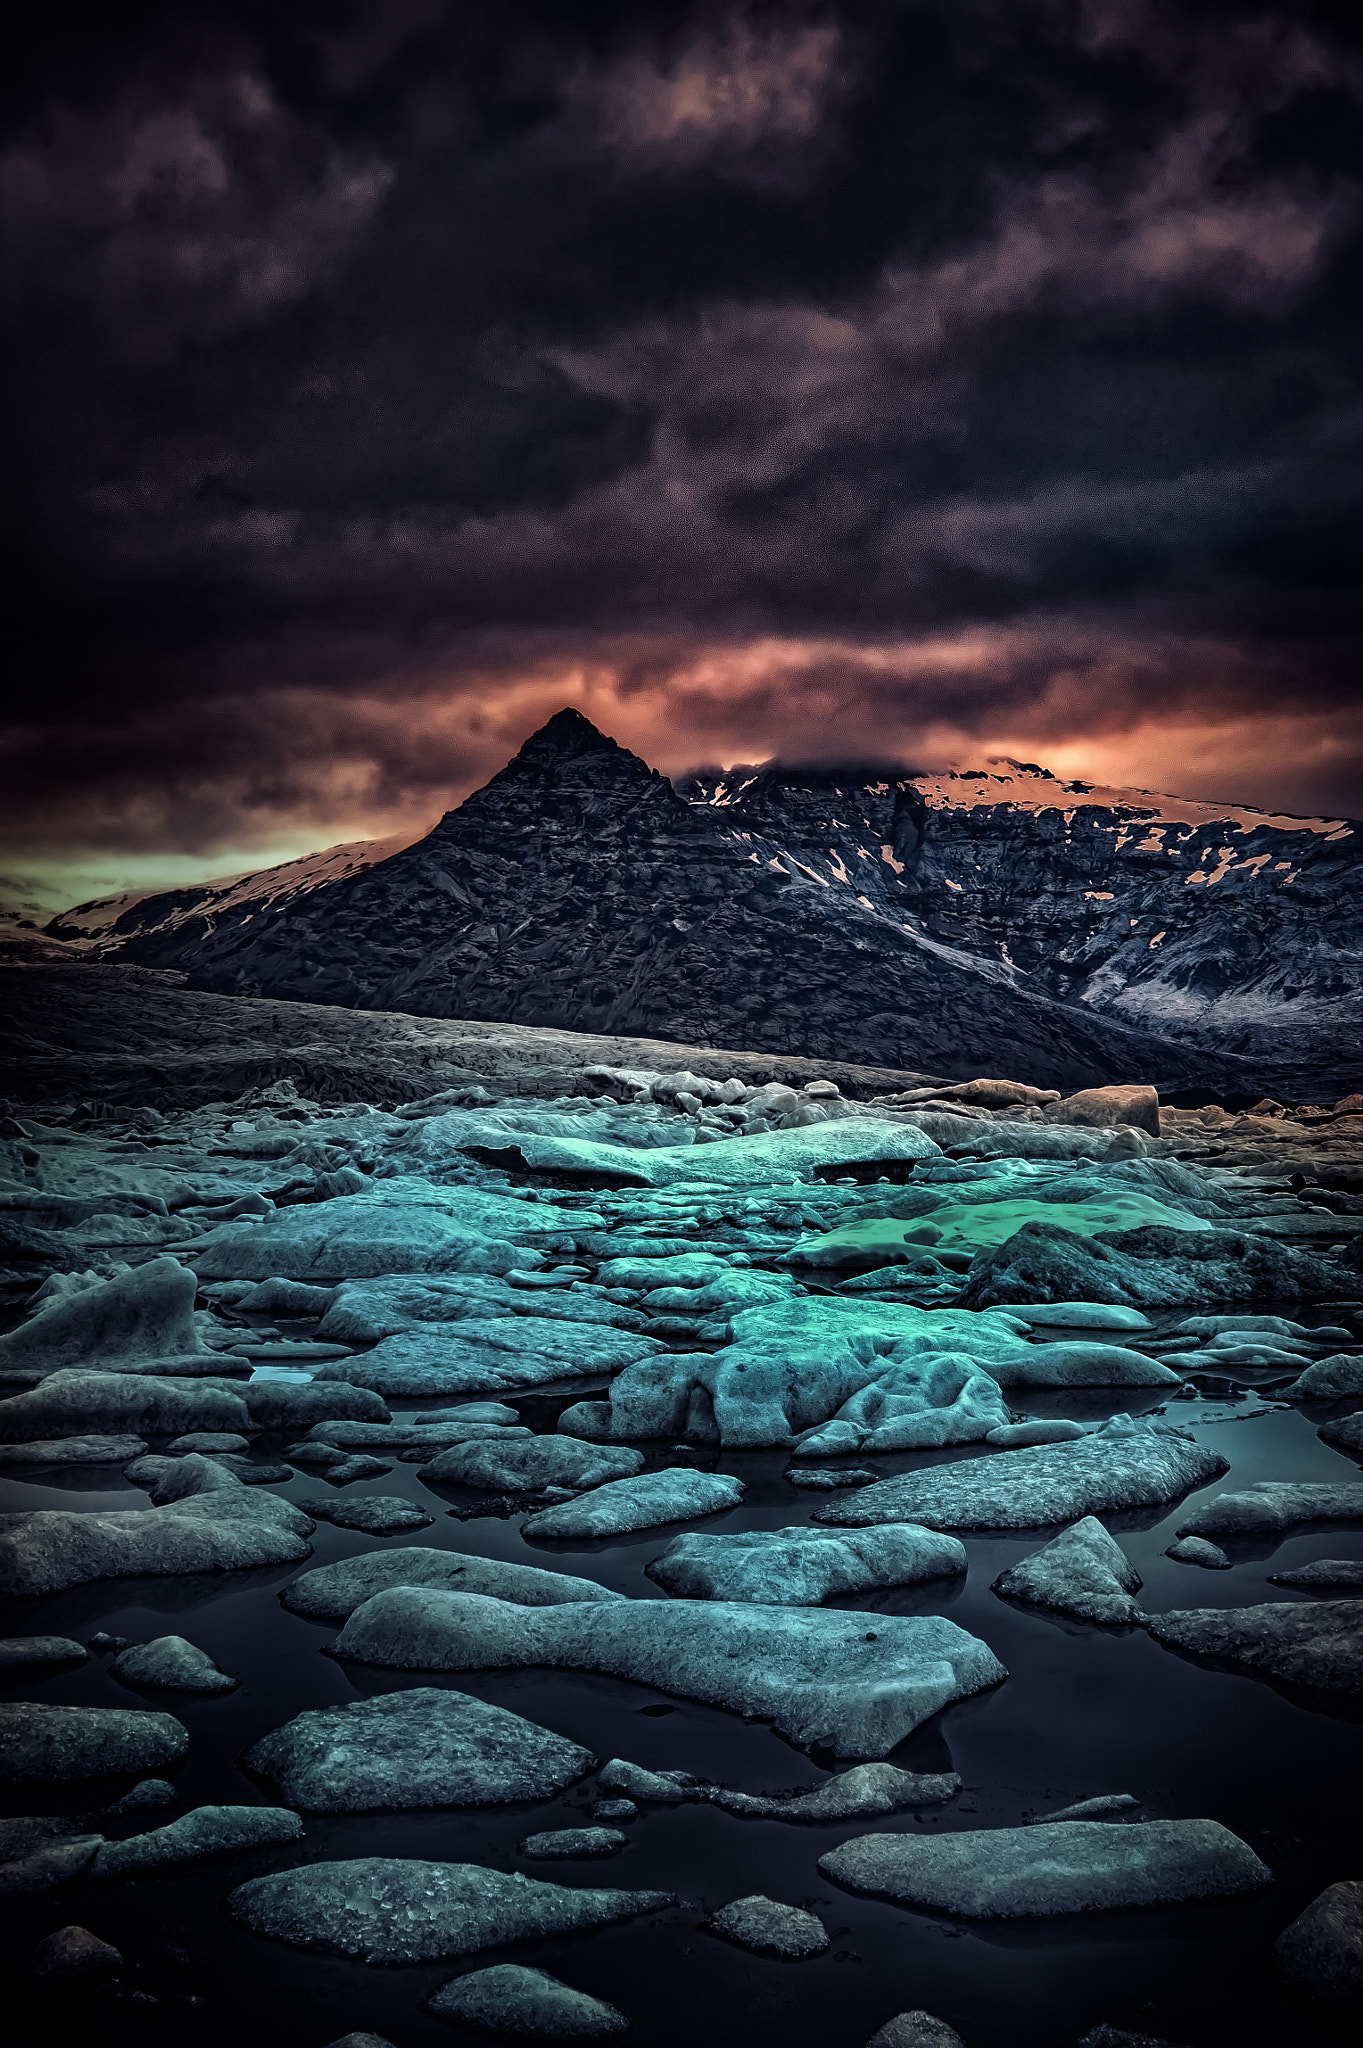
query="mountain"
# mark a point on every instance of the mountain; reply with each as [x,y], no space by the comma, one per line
[1225,927]
[954,924]
[192,914]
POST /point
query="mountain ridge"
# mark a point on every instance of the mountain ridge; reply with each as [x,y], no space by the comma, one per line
[1102,896]
[947,923]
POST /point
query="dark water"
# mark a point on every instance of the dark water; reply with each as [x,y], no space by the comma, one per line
[1083,1711]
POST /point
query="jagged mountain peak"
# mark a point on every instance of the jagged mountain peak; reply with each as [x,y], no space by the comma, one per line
[568,747]
[568,773]
[566,736]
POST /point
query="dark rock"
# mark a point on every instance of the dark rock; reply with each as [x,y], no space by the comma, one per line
[205,1832]
[1322,1951]
[1197,1550]
[147,1796]
[36,1653]
[521,2004]
[1318,1643]
[564,1844]
[170,1664]
[915,2030]
[1117,2037]
[608,1811]
[74,1953]
[376,1514]
[28,1870]
[770,1929]
[1099,1108]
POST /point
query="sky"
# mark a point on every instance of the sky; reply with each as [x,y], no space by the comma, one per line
[918,380]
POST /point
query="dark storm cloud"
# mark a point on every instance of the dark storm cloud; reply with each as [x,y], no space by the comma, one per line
[765,380]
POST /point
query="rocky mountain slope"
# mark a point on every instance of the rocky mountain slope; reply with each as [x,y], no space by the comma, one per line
[899,922]
[1223,926]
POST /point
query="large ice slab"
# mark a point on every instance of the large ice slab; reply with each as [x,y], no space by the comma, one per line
[39,1740]
[800,1567]
[388,1909]
[852,1374]
[332,1592]
[532,1462]
[1271,1506]
[828,1375]
[362,1311]
[206,1521]
[819,1675]
[414,1749]
[739,1162]
[1124,1465]
[145,1313]
[397,1226]
[74,1402]
[505,1354]
[1058,1867]
[676,1494]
